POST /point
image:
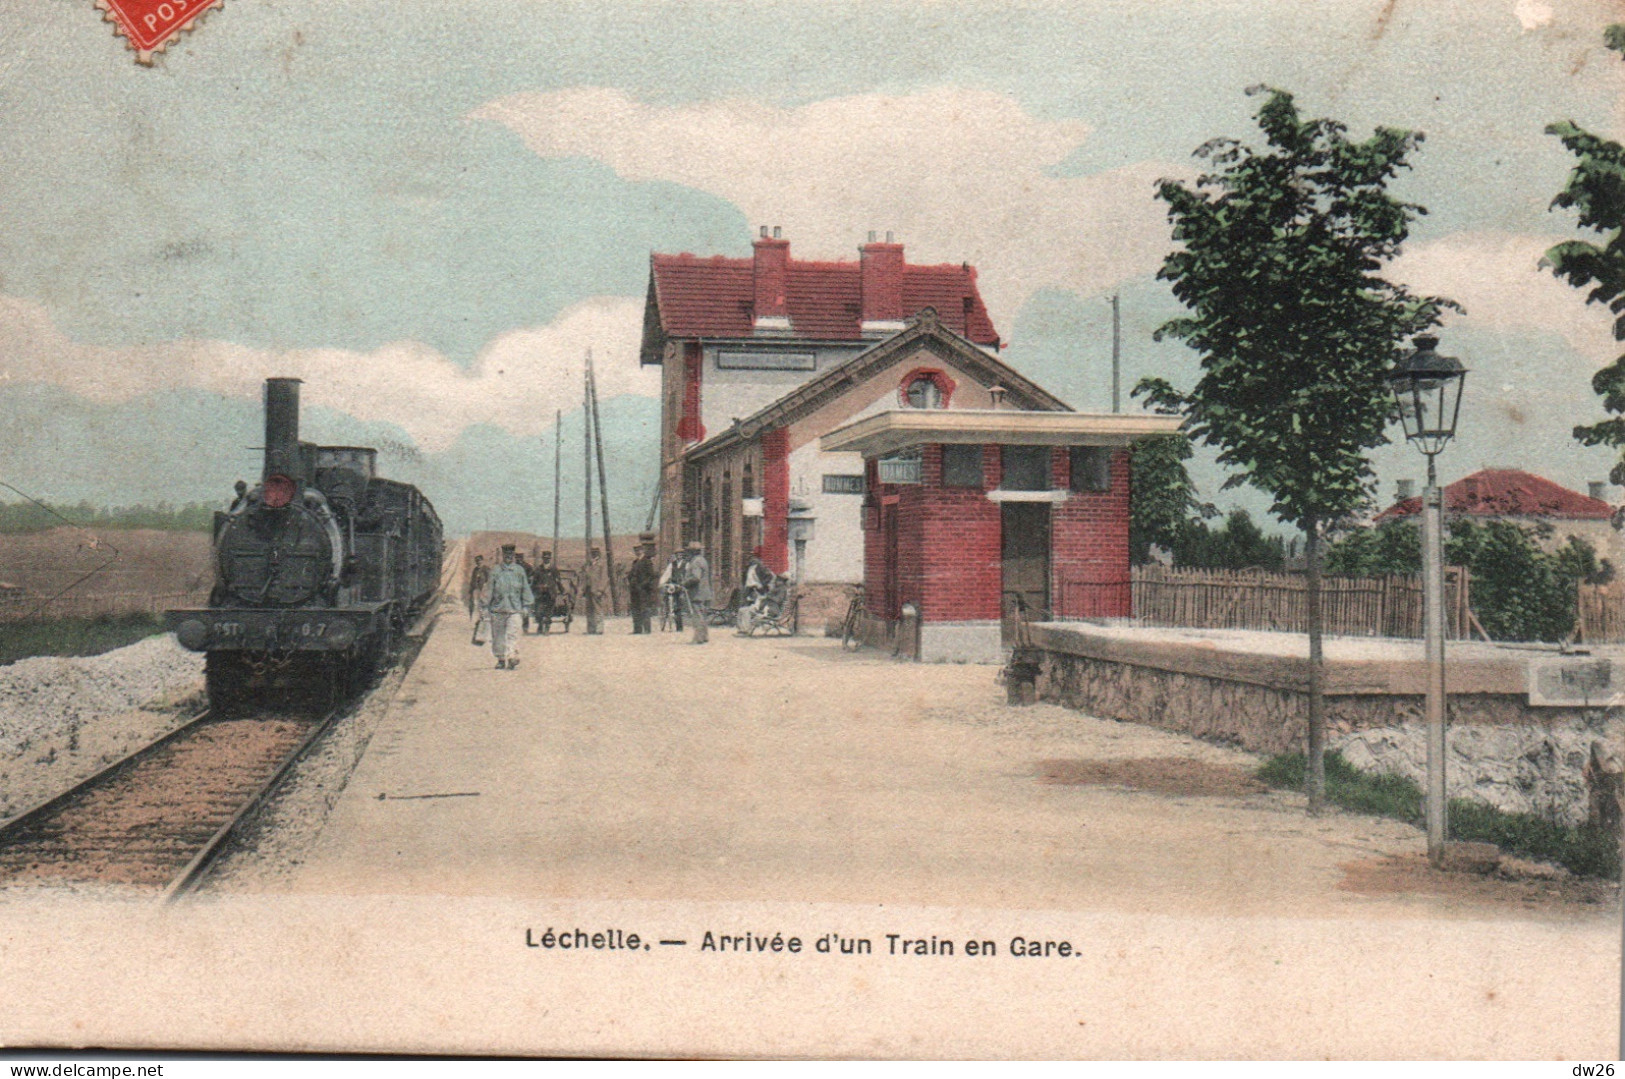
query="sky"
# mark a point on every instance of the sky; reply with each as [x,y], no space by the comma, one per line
[430,211]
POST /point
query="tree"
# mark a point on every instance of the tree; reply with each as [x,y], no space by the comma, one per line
[1278,259]
[1236,544]
[1163,501]
[1520,590]
[1596,189]
[1393,547]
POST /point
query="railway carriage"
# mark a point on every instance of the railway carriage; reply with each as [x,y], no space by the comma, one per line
[318,570]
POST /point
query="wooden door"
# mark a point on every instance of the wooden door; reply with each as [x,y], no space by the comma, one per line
[1025,549]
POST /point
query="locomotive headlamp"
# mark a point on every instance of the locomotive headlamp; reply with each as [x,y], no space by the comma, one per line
[277,491]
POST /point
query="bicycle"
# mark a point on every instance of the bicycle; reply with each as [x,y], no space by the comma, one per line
[849,627]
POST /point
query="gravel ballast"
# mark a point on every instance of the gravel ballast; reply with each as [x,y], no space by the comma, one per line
[63,718]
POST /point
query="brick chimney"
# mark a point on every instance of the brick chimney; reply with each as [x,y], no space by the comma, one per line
[882,286]
[771,273]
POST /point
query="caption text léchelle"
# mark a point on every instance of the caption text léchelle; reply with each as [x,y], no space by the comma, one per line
[778,943]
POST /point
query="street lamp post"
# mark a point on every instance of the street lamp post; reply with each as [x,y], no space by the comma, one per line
[1427,388]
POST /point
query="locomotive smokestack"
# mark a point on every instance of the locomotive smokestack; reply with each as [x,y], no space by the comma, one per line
[282,453]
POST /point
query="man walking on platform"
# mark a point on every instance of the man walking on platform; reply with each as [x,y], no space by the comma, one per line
[549,588]
[510,598]
[643,587]
[530,576]
[478,578]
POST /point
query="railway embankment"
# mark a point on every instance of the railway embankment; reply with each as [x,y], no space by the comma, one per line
[63,718]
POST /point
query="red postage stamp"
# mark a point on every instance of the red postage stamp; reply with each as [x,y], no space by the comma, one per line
[149,25]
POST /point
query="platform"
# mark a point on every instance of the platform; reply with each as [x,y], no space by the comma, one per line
[752,769]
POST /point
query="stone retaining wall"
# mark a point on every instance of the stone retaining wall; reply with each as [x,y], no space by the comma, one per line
[1502,751]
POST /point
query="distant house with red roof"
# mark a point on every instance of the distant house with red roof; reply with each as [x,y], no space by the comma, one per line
[761,356]
[1511,494]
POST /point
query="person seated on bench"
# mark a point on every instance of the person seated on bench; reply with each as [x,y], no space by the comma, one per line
[756,589]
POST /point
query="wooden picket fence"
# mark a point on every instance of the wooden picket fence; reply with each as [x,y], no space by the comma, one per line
[1253,599]
[1601,615]
[18,606]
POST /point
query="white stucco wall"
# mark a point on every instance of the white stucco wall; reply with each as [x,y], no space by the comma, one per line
[727,394]
[835,552]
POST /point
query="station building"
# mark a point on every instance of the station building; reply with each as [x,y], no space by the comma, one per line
[760,356]
[763,357]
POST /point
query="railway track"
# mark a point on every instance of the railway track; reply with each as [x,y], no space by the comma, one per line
[155,820]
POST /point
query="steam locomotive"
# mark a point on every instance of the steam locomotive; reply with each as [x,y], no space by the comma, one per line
[318,571]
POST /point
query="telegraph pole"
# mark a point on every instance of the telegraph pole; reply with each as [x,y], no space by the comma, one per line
[603,487]
[558,461]
[1117,354]
[586,457]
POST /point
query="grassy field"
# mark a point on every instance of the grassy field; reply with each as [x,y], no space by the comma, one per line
[117,561]
[74,636]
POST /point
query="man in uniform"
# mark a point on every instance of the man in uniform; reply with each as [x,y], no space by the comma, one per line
[548,588]
[643,587]
[478,578]
[530,575]
[594,590]
[510,597]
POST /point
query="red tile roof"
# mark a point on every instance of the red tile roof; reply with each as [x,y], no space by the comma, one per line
[1508,492]
[713,297]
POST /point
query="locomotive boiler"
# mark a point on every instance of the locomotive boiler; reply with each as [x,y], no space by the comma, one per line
[318,570]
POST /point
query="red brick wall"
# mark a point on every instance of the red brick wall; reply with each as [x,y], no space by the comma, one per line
[689,427]
[1089,567]
[959,572]
[775,444]
[949,543]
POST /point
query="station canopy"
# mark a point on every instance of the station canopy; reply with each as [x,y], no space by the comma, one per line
[894,430]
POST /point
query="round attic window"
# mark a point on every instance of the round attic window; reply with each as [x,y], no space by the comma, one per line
[926,389]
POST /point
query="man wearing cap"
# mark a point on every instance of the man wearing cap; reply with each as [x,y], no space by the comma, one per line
[643,587]
[530,575]
[548,589]
[478,578]
[510,598]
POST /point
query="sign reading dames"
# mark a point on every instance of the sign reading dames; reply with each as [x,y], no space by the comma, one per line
[149,24]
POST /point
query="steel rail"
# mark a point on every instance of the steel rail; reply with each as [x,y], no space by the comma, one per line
[192,874]
[57,801]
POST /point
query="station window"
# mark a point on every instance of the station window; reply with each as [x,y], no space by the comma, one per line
[1026,468]
[1091,468]
[925,388]
[961,466]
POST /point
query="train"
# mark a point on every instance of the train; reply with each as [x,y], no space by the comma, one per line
[318,571]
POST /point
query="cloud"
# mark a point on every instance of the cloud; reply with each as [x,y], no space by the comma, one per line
[959,174]
[1497,277]
[516,382]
